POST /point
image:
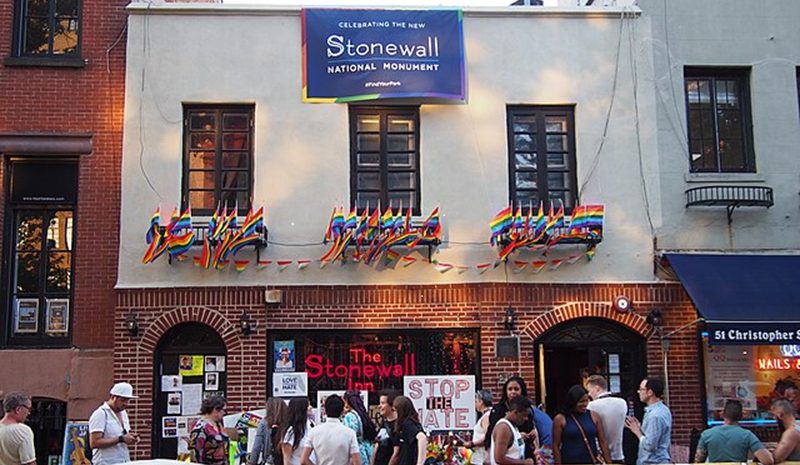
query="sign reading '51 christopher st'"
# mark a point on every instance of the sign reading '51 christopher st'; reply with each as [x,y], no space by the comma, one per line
[351,55]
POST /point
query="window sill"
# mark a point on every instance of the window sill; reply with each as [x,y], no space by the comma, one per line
[723,177]
[45,62]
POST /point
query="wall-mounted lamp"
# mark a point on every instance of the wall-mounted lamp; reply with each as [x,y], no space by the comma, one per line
[622,304]
[655,319]
[246,324]
[132,324]
[509,319]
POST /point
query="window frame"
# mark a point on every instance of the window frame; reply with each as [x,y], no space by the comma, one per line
[742,76]
[12,209]
[384,112]
[19,31]
[220,110]
[540,112]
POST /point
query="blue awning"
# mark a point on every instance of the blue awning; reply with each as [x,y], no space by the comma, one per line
[745,299]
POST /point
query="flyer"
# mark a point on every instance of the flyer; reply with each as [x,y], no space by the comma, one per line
[215,363]
[290,384]
[171,383]
[190,365]
[192,399]
[76,436]
[174,403]
[283,355]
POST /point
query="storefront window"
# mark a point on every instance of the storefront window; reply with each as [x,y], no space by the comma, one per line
[372,361]
[755,375]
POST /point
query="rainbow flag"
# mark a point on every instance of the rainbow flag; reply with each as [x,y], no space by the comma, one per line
[204,260]
[387,221]
[556,220]
[392,256]
[253,222]
[538,265]
[240,265]
[337,225]
[519,222]
[184,222]
[541,221]
[329,230]
[587,217]
[500,224]
[155,221]
[431,227]
[212,224]
[407,222]
[155,249]
[179,245]
[352,220]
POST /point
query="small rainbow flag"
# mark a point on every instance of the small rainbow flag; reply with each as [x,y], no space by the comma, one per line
[538,265]
[520,265]
[282,264]
[407,261]
[154,226]
[240,265]
[303,264]
[263,264]
[392,256]
[442,267]
[461,269]
[500,224]
[555,263]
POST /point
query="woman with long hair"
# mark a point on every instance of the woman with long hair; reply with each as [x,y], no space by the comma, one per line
[483,404]
[577,431]
[513,387]
[357,419]
[208,442]
[413,442]
[293,430]
[266,449]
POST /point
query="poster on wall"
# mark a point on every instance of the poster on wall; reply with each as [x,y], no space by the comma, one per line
[191,365]
[215,363]
[171,383]
[319,412]
[26,316]
[174,403]
[351,54]
[169,427]
[192,399]
[76,437]
[290,384]
[729,376]
[57,316]
[212,381]
[444,402]
[283,355]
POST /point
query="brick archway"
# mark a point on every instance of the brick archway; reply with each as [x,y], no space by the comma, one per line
[208,316]
[561,314]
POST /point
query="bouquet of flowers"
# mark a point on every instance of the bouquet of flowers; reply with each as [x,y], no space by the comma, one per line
[445,450]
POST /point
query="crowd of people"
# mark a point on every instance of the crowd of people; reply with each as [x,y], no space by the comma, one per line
[588,429]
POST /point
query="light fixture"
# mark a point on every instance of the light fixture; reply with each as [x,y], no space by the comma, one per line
[132,324]
[623,304]
[509,319]
[655,319]
[246,324]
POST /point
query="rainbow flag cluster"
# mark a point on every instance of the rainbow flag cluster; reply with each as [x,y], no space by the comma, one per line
[513,230]
[223,240]
[175,239]
[374,234]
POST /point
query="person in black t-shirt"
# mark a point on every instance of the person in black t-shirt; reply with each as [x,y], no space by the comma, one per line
[412,443]
[386,439]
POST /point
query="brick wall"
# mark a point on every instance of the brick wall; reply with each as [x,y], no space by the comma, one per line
[83,100]
[537,307]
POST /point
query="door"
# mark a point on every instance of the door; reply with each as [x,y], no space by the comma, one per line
[190,365]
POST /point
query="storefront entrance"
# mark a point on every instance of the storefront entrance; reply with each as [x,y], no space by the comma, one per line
[570,352]
[190,364]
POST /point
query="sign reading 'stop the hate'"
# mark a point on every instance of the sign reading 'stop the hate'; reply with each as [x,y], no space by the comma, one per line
[351,55]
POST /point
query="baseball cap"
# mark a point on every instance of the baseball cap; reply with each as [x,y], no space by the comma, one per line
[123,390]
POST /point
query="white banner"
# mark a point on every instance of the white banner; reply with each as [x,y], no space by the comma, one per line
[443,402]
[290,384]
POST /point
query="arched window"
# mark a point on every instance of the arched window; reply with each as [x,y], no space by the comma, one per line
[48,420]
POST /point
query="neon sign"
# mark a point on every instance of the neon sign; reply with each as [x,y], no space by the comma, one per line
[364,367]
[778,363]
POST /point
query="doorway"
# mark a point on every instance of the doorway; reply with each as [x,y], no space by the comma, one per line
[190,364]
[570,352]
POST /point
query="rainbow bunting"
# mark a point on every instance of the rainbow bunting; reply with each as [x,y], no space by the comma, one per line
[283,264]
[442,267]
[538,265]
[303,264]
[263,264]
[407,261]
[240,265]
[572,259]
[555,263]
[222,265]
[519,265]
[461,269]
[483,267]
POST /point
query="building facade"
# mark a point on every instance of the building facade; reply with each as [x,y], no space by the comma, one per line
[569,105]
[61,104]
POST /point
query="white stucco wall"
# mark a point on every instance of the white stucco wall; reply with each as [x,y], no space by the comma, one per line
[222,54]
[742,33]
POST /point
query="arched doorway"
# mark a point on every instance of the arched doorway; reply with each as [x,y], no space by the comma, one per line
[190,364]
[571,351]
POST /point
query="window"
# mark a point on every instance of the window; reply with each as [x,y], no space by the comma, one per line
[384,157]
[48,420]
[374,360]
[218,158]
[541,166]
[47,28]
[718,114]
[38,276]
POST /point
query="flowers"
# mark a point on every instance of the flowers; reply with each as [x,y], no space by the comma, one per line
[444,450]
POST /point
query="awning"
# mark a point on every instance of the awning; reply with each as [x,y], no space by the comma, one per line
[745,299]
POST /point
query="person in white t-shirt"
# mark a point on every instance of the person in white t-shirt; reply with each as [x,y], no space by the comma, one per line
[612,411]
[332,442]
[16,438]
[294,429]
[110,430]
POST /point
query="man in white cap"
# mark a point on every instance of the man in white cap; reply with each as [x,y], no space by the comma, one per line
[110,430]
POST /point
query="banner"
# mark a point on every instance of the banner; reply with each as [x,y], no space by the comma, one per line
[351,55]
[443,402]
[755,333]
[290,384]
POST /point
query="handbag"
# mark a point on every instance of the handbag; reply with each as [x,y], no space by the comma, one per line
[599,459]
